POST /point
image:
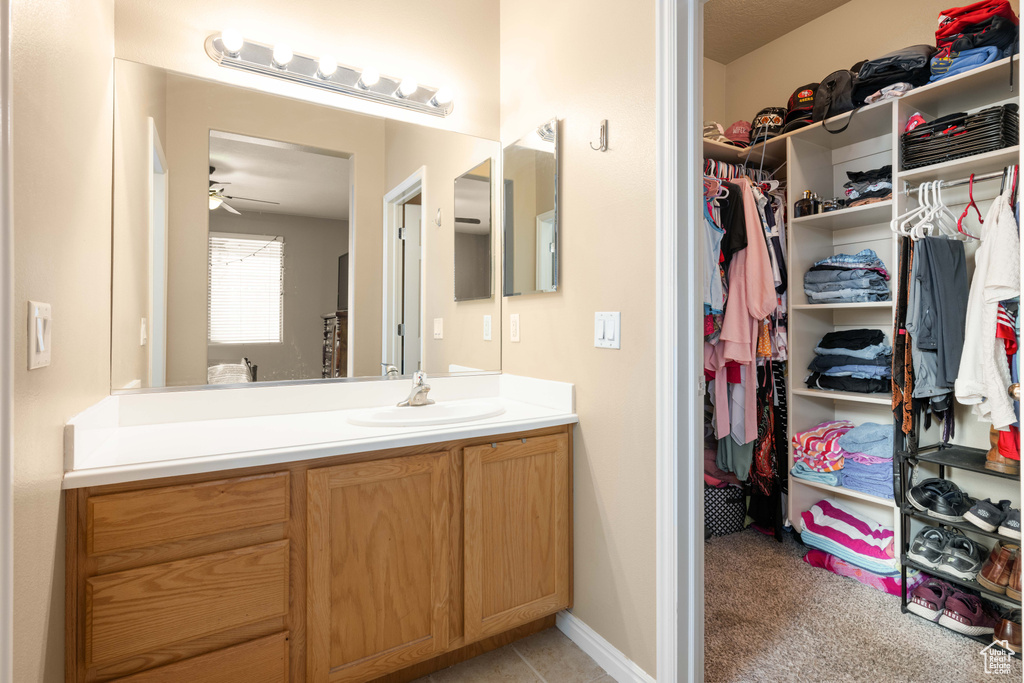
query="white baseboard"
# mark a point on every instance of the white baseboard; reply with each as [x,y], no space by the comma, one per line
[619,666]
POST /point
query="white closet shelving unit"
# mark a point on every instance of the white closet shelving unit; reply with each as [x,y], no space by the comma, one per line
[818,161]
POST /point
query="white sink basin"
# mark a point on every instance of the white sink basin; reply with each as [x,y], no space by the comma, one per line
[448,412]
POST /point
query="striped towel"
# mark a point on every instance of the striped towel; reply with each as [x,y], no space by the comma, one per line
[818,447]
[869,542]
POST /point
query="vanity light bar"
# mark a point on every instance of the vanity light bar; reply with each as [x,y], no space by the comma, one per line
[259,58]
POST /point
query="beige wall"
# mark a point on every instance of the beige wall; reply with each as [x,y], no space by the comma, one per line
[62,56]
[140,93]
[861,29]
[311,250]
[195,107]
[715,94]
[446,156]
[585,60]
[441,42]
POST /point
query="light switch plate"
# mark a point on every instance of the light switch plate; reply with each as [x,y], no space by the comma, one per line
[438,328]
[143,336]
[607,330]
[39,324]
[514,327]
[487,328]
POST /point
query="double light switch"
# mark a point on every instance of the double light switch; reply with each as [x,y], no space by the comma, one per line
[607,330]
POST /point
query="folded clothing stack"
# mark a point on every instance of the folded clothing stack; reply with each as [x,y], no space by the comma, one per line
[816,452]
[868,187]
[847,278]
[849,537]
[947,63]
[852,360]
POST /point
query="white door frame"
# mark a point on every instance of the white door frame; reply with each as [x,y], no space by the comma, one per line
[6,356]
[393,201]
[158,183]
[679,344]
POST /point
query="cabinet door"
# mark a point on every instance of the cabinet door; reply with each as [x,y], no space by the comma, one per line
[516,533]
[377,587]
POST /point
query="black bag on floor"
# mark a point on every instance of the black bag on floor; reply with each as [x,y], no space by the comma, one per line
[725,510]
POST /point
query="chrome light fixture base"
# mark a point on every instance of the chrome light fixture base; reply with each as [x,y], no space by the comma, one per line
[258,58]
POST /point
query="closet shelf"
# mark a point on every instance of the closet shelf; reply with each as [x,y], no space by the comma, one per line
[720,151]
[856,217]
[843,491]
[961,458]
[877,399]
[974,89]
[869,122]
[848,306]
[961,168]
[963,526]
[984,640]
[999,598]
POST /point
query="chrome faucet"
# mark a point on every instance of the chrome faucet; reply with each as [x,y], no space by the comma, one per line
[418,395]
[389,370]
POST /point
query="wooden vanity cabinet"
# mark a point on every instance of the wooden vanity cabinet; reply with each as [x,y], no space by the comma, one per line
[381,566]
[377,581]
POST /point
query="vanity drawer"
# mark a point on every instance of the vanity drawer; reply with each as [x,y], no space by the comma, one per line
[139,519]
[258,661]
[142,610]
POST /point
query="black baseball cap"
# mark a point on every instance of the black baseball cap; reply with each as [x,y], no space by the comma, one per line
[801,102]
[767,124]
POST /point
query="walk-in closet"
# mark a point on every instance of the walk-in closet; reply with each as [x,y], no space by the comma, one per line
[861,280]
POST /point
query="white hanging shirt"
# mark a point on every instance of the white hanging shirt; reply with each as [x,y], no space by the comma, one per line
[984,370]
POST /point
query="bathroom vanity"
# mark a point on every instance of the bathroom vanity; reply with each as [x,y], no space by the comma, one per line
[390,548]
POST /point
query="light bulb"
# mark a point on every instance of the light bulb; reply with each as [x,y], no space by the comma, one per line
[282,55]
[215,202]
[441,97]
[231,40]
[326,67]
[407,87]
[368,78]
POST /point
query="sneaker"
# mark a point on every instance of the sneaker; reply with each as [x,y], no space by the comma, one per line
[967,614]
[940,498]
[1010,527]
[987,515]
[928,545]
[929,599]
[961,558]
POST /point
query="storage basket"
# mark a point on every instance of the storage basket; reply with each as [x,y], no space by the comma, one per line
[725,509]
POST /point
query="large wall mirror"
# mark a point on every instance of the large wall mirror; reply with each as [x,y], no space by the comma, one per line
[530,203]
[259,238]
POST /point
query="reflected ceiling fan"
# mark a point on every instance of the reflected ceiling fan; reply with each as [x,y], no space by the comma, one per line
[218,198]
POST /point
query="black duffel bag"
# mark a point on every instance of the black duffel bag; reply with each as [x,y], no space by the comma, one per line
[834,97]
[909,65]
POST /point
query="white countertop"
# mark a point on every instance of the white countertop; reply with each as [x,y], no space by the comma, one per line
[145,436]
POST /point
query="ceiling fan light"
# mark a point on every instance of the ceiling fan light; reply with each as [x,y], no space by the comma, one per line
[215,202]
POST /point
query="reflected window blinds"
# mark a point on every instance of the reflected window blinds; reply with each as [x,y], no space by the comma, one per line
[246,287]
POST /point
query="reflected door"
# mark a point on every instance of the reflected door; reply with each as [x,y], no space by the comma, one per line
[412,264]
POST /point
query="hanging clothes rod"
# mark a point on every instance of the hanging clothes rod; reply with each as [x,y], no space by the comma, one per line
[963,181]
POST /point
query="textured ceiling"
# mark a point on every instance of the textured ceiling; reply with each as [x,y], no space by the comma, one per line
[732,28]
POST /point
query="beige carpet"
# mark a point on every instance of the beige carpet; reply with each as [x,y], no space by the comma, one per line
[771,617]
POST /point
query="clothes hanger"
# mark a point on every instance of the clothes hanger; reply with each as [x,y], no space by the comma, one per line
[945,219]
[967,209]
[902,225]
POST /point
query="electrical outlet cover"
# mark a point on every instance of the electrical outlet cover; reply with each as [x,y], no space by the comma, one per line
[438,328]
[514,327]
[487,328]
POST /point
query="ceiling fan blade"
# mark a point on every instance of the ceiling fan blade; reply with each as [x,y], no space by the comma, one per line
[247,199]
[231,209]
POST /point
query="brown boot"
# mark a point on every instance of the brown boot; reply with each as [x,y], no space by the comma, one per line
[1013,587]
[1010,631]
[996,462]
[995,575]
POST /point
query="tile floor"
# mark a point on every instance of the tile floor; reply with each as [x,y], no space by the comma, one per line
[545,657]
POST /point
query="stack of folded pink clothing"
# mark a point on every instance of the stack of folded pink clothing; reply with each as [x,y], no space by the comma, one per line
[816,452]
